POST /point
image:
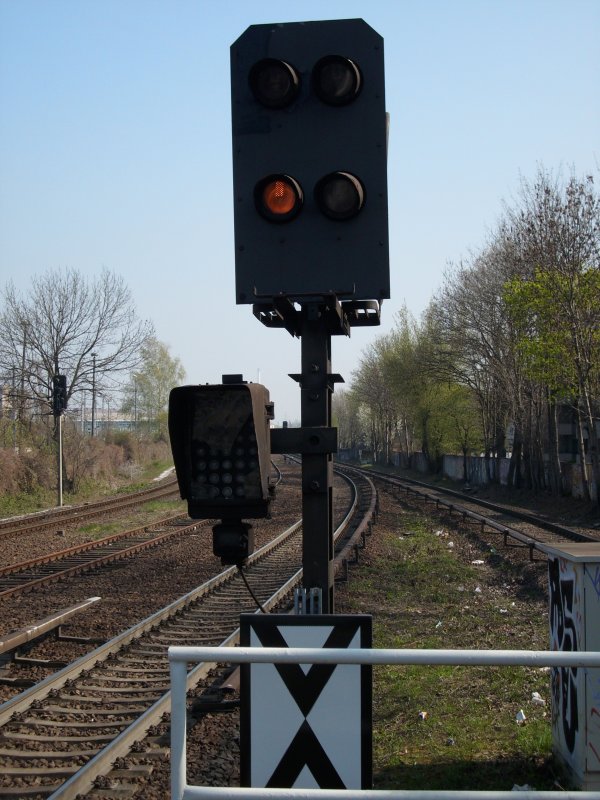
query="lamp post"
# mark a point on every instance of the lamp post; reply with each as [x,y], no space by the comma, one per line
[93,394]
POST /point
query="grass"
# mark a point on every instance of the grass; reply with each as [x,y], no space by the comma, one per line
[163,506]
[26,503]
[421,592]
[98,530]
[148,473]
[156,509]
[41,499]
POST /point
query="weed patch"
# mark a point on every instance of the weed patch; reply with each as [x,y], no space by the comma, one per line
[448,727]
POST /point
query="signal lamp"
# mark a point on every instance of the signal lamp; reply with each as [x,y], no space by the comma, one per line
[233,542]
[336,80]
[274,83]
[278,198]
[340,195]
[59,394]
[220,440]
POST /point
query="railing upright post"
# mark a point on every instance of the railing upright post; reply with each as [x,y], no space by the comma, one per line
[178,729]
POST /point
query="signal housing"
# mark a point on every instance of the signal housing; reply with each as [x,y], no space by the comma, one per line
[308,103]
[220,439]
[59,395]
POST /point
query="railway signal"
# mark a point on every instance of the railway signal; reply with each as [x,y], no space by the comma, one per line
[59,394]
[309,162]
[220,438]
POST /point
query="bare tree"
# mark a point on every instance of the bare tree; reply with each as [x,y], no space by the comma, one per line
[474,345]
[87,330]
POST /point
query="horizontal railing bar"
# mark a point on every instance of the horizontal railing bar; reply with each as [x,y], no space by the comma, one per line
[234,793]
[181,656]
[311,655]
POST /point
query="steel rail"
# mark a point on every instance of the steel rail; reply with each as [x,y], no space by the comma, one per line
[22,701]
[31,523]
[81,672]
[99,763]
[525,516]
[364,526]
[84,779]
[12,641]
[418,489]
[82,548]
[23,577]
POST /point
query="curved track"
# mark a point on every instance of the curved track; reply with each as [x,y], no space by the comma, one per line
[91,712]
[515,525]
[59,564]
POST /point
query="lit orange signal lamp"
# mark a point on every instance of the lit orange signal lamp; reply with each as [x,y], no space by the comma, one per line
[278,198]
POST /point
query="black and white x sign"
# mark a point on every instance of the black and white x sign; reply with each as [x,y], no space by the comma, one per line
[306,725]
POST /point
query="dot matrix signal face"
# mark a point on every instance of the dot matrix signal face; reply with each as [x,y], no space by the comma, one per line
[226,471]
[220,437]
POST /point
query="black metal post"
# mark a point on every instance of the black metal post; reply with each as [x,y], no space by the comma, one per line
[93,394]
[317,469]
[59,458]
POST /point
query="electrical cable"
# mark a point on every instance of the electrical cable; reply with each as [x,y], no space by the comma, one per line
[254,597]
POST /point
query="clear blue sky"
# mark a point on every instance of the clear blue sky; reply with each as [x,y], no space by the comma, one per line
[115,149]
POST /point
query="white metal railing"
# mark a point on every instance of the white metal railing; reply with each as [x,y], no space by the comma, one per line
[180,657]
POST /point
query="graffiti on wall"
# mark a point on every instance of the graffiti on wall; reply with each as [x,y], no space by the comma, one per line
[592,642]
[565,635]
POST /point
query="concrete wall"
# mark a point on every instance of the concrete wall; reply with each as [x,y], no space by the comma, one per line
[477,472]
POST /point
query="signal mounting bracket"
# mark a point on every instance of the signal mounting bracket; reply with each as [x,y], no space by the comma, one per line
[340,316]
[306,440]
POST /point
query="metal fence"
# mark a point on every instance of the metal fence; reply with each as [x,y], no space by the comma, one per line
[180,657]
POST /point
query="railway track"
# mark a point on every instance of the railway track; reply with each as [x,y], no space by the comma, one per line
[74,515]
[60,564]
[517,527]
[58,737]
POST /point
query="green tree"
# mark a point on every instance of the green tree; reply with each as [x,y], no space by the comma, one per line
[553,228]
[146,396]
[557,316]
[473,346]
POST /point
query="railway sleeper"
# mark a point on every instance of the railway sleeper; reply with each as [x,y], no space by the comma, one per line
[35,737]
[25,661]
[85,724]
[164,671]
[109,679]
[53,772]
[118,715]
[95,699]
[130,690]
[29,791]
[53,755]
